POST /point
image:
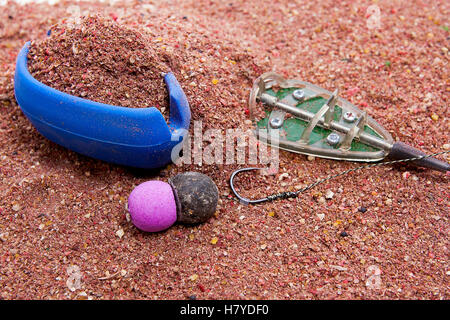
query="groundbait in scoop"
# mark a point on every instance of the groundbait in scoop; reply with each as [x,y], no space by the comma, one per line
[303,118]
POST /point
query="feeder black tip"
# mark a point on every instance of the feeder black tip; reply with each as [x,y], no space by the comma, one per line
[401,151]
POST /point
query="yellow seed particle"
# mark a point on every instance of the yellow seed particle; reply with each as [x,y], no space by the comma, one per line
[191,237]
[214,240]
[271,213]
[159,39]
[215,81]
[434,117]
[232,62]
[193,277]
[337,222]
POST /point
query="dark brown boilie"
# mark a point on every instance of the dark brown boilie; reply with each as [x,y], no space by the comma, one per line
[196,196]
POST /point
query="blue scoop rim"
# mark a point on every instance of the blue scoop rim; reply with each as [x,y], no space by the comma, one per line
[179,106]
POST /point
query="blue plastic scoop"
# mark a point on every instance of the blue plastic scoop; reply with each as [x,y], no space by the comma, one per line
[137,137]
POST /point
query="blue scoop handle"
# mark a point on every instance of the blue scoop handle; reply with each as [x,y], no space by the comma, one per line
[138,137]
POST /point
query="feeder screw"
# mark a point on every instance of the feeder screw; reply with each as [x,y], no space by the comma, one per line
[333,139]
[349,117]
[276,123]
[299,94]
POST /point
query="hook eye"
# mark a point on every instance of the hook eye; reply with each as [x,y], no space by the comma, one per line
[242,199]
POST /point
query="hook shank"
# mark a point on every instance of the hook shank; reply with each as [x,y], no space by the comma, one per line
[243,199]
